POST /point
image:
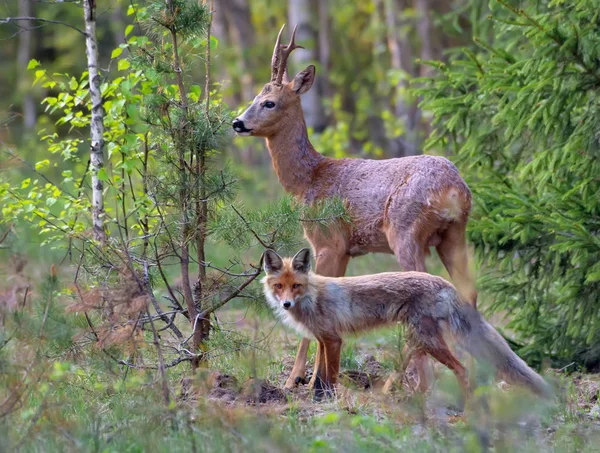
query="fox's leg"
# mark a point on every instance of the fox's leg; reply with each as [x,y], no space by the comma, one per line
[433,343]
[445,356]
[332,348]
[299,370]
[319,377]
[454,254]
[329,263]
[424,370]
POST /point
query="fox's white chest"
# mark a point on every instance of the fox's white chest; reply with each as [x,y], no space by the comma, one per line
[287,317]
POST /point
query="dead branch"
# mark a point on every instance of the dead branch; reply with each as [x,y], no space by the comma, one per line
[12,20]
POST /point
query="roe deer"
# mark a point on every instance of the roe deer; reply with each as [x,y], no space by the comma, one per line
[401,206]
[330,308]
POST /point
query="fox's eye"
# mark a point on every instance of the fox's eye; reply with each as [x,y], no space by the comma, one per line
[296,285]
[269,104]
[278,286]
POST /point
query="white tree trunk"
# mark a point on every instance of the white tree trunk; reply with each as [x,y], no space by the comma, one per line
[307,35]
[23,57]
[97,123]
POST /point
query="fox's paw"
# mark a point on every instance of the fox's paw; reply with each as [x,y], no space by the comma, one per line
[323,390]
[293,381]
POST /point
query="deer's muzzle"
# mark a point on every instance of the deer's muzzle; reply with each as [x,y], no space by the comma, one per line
[239,127]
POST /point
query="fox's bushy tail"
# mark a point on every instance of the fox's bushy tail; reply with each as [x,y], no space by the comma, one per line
[481,340]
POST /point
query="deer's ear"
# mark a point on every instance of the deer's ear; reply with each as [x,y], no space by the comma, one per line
[301,261]
[272,262]
[303,80]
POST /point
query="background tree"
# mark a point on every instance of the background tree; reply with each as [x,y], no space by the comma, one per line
[519,114]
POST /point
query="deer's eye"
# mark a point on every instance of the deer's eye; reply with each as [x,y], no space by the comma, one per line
[296,285]
[278,286]
[269,104]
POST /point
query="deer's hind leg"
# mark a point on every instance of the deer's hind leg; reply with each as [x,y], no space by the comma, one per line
[454,254]
[330,262]
[410,248]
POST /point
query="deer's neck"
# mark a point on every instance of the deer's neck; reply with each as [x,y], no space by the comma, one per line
[294,158]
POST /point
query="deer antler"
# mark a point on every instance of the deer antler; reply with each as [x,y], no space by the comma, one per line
[280,56]
[276,58]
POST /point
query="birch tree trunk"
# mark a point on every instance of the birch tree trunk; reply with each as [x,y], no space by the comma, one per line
[324,49]
[424,30]
[241,32]
[401,59]
[97,122]
[23,57]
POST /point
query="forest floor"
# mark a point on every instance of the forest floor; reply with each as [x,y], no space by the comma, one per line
[66,393]
[498,414]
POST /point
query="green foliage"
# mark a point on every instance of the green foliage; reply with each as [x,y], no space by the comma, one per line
[190,20]
[521,115]
[277,224]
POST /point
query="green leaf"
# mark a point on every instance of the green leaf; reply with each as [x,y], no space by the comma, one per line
[115,53]
[39,75]
[123,65]
[129,165]
[33,64]
[128,30]
[42,164]
[214,42]
[102,175]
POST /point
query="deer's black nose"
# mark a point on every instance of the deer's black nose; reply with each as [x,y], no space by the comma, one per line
[287,304]
[238,126]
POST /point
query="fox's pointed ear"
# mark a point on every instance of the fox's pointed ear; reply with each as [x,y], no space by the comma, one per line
[301,261]
[303,80]
[272,262]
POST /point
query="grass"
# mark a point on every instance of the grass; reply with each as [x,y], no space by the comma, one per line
[79,399]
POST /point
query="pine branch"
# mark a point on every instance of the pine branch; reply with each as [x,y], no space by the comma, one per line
[235,293]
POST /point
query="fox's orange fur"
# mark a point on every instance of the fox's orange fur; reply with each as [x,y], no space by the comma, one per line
[330,308]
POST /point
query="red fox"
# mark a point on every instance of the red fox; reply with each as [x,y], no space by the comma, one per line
[328,308]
